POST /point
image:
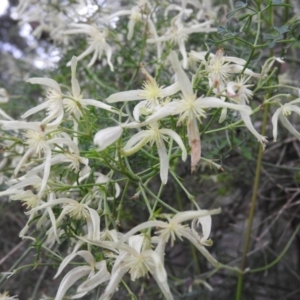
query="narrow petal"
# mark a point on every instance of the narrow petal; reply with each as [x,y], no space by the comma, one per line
[108,52]
[286,123]
[142,135]
[182,50]
[212,102]
[192,238]
[47,82]
[194,214]
[164,161]
[85,53]
[159,269]
[117,273]
[91,283]
[74,81]
[177,139]
[140,227]
[94,58]
[136,242]
[17,125]
[125,96]
[95,222]
[181,77]
[35,109]
[171,90]
[275,123]
[247,120]
[138,108]
[70,278]
[130,27]
[206,227]
[5,115]
[85,254]
[171,108]
[98,104]
[164,287]
[67,142]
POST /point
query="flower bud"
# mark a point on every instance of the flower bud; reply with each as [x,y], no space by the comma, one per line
[107,136]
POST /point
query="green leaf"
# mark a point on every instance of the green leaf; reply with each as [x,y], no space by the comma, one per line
[209,42]
[283,29]
[280,3]
[240,4]
[241,18]
[272,44]
[229,15]
[207,56]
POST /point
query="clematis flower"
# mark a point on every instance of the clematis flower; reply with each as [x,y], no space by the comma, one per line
[40,142]
[73,209]
[168,231]
[282,113]
[137,259]
[53,103]
[219,67]
[151,92]
[25,190]
[178,33]
[136,14]
[75,104]
[157,136]
[104,179]
[191,109]
[97,42]
[96,271]
[238,91]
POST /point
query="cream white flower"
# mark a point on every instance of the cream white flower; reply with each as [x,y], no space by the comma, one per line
[219,67]
[104,180]
[75,210]
[137,14]
[137,259]
[97,42]
[178,33]
[40,142]
[53,103]
[191,109]
[238,91]
[168,231]
[74,103]
[96,273]
[282,113]
[151,93]
[157,136]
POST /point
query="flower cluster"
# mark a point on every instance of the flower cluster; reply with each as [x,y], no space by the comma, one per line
[65,144]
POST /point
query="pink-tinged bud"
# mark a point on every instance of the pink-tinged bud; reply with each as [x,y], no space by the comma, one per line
[107,136]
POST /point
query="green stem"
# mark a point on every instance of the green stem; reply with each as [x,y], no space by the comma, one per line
[252,208]
[280,256]
[16,264]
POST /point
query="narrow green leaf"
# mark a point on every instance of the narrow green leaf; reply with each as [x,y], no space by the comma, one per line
[240,4]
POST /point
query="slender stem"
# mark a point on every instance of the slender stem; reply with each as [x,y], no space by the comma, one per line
[280,256]
[252,208]
[16,264]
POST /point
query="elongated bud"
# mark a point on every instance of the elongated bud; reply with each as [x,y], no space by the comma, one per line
[107,136]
